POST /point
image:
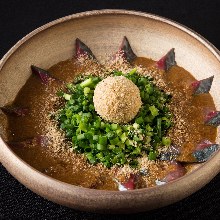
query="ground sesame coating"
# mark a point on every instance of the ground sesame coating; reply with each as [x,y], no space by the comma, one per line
[117,99]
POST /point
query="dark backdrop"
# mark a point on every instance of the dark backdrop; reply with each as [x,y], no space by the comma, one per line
[19,17]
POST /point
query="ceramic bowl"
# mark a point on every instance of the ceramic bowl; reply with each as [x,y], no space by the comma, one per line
[150,36]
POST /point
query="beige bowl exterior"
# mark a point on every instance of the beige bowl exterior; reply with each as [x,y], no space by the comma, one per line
[150,36]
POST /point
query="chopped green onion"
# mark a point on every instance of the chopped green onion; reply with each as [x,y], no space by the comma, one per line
[154,111]
[114,126]
[115,141]
[101,147]
[66,96]
[133,71]
[91,158]
[86,90]
[139,120]
[136,125]
[123,137]
[166,141]
[86,83]
[80,136]
[111,143]
[103,140]
[152,155]
[159,127]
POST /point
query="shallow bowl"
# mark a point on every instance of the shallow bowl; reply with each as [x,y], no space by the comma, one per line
[150,36]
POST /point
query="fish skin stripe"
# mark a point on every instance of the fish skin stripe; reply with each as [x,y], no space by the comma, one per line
[204,154]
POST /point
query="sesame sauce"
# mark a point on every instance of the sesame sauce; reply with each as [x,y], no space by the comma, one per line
[57,159]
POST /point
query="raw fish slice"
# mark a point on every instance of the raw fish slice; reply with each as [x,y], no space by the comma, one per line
[178,172]
[167,61]
[15,110]
[198,154]
[213,118]
[16,144]
[143,172]
[171,153]
[82,49]
[41,140]
[42,74]
[202,86]
[204,154]
[126,50]
[203,145]
[38,140]
[174,174]
[128,185]
[20,144]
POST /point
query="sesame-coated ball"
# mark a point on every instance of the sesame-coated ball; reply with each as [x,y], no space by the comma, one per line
[117,99]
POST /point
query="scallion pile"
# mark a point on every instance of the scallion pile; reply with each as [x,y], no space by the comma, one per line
[109,143]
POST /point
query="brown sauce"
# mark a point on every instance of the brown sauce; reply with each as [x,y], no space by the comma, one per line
[36,97]
[179,80]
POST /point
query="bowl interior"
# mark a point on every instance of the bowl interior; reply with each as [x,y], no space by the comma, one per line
[149,36]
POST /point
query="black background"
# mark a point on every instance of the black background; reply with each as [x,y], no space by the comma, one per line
[19,17]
